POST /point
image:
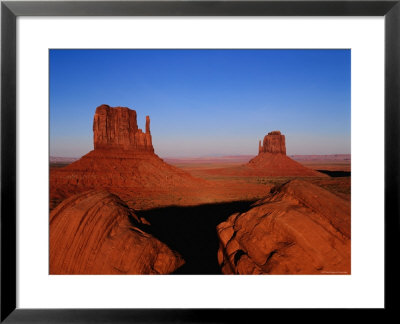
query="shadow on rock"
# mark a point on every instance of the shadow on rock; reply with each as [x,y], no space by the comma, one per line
[191,231]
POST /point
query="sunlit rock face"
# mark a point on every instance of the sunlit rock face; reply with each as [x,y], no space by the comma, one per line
[95,232]
[299,228]
[116,128]
[274,142]
[273,161]
[123,162]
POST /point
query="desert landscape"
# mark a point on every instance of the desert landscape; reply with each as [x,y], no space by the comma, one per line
[121,209]
[200,161]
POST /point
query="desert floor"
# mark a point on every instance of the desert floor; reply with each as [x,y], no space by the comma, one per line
[189,227]
[193,227]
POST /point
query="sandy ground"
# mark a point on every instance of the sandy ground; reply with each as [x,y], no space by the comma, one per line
[186,218]
[209,170]
[224,188]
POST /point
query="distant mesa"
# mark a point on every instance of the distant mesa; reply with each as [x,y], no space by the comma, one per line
[299,228]
[116,128]
[95,232]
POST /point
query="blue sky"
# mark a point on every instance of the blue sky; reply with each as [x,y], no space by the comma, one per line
[205,102]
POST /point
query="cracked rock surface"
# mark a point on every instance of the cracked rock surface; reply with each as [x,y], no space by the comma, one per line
[299,228]
[95,232]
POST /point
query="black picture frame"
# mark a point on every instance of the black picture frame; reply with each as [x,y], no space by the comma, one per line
[10,10]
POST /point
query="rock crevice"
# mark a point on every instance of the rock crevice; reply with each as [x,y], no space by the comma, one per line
[281,235]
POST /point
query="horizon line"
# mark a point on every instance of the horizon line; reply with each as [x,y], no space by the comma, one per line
[206,156]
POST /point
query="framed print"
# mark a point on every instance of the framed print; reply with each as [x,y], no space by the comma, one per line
[197,161]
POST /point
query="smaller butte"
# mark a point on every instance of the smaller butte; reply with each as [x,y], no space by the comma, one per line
[273,161]
[274,142]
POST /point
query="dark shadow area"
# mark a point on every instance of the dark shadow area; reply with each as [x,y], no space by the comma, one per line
[336,174]
[191,231]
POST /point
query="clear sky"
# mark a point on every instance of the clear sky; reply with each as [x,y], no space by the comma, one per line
[205,102]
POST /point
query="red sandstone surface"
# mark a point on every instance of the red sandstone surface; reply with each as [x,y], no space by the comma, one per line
[274,142]
[97,233]
[117,127]
[273,161]
[276,164]
[122,172]
[299,228]
[124,163]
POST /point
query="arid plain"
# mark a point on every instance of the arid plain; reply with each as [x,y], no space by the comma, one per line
[121,209]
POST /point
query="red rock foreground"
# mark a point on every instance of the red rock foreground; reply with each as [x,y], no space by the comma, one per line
[93,233]
[299,228]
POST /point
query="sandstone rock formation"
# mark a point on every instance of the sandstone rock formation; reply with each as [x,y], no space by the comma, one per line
[95,232]
[273,161]
[116,128]
[299,228]
[123,162]
[274,142]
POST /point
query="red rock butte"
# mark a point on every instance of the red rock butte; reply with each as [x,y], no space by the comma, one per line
[274,142]
[273,161]
[116,128]
[123,162]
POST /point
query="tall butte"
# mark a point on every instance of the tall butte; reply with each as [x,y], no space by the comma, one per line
[122,162]
[273,161]
[116,128]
